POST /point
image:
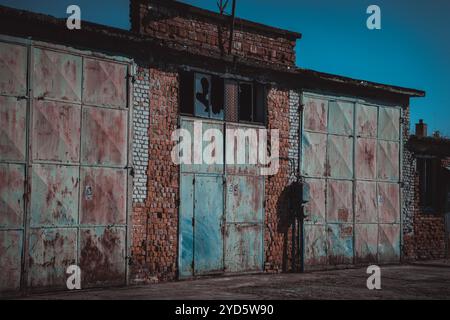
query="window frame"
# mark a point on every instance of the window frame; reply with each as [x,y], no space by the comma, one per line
[254,86]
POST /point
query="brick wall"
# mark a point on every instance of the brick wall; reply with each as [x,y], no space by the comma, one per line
[424,233]
[209,36]
[294,133]
[155,220]
[278,221]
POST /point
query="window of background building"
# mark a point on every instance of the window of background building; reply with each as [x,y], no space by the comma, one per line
[428,169]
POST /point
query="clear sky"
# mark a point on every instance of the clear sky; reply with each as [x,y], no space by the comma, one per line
[412,49]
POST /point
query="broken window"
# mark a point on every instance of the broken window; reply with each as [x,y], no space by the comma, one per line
[208,96]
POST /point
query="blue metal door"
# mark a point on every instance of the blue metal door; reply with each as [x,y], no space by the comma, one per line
[208,221]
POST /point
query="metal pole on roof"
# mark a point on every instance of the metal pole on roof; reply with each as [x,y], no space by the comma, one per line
[233,18]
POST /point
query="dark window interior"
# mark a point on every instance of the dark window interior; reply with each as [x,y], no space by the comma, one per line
[239,101]
[428,169]
[245,102]
[187,93]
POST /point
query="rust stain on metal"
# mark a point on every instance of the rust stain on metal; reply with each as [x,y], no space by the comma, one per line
[102,256]
[105,83]
[315,115]
[12,129]
[104,137]
[106,203]
[57,75]
[12,179]
[13,69]
[56,132]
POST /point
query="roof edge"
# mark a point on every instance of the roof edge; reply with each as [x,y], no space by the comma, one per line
[363,83]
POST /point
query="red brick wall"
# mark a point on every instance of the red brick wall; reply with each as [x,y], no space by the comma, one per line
[278,222]
[428,238]
[155,223]
[208,36]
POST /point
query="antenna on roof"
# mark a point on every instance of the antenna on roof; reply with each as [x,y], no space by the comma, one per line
[222,5]
[233,17]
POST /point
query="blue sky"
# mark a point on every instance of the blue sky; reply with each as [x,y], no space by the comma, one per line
[412,49]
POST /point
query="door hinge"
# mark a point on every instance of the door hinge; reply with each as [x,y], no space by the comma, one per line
[132,77]
[193,180]
[193,222]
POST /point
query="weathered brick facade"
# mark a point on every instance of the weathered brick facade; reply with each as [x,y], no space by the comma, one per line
[278,221]
[427,237]
[155,221]
[207,33]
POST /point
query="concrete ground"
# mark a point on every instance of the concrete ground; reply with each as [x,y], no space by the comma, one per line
[424,281]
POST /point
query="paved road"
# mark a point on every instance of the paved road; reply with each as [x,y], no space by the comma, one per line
[398,282]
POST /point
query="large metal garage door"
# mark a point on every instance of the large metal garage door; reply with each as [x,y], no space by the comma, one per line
[350,159]
[64,156]
[221,214]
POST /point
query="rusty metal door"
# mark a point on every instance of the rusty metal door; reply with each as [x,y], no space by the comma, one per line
[63,166]
[13,156]
[201,217]
[221,210]
[244,223]
[78,209]
[351,161]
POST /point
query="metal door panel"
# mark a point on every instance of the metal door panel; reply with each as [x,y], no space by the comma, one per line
[249,163]
[315,114]
[339,201]
[102,256]
[13,114]
[51,252]
[389,202]
[104,137]
[208,233]
[57,75]
[56,132]
[388,161]
[245,198]
[315,245]
[186,210]
[366,202]
[10,259]
[13,69]
[54,195]
[197,139]
[243,247]
[340,157]
[314,150]
[315,208]
[389,243]
[105,83]
[340,118]
[366,120]
[12,179]
[389,124]
[366,243]
[103,198]
[340,244]
[365,165]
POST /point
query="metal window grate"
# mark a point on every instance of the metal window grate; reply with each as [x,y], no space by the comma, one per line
[231,100]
